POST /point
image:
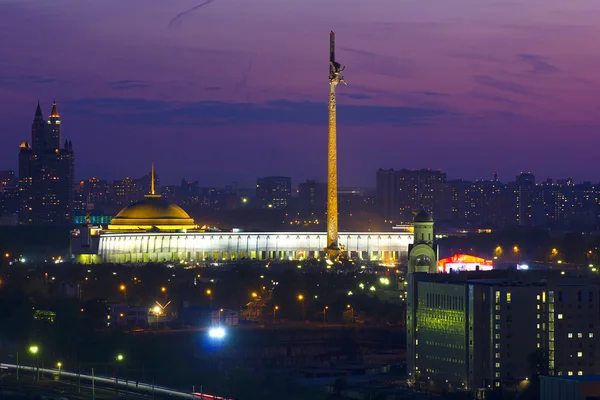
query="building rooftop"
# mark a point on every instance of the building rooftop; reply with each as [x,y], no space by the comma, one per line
[583,378]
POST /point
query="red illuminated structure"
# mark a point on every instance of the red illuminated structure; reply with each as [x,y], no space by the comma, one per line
[464,262]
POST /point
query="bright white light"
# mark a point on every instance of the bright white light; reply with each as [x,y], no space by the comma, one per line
[522,266]
[216,332]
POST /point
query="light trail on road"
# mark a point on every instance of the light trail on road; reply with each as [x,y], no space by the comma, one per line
[132,386]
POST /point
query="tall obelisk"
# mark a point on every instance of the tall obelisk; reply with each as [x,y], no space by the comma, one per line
[333,247]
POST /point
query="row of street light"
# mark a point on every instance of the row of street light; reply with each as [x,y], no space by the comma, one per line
[35,351]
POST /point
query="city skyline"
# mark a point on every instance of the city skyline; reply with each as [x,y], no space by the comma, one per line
[204,102]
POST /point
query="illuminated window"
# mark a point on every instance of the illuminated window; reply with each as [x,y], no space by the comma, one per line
[497,345]
[538,297]
[538,345]
[538,306]
[538,326]
[591,335]
[497,316]
[497,365]
[508,297]
[560,316]
[497,355]
[497,335]
[498,307]
[497,384]
[579,373]
[497,326]
[579,354]
[497,374]
[580,335]
[538,316]
[570,373]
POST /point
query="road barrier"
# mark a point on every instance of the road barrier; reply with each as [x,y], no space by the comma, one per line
[133,386]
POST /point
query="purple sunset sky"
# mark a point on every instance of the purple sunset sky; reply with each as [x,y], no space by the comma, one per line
[237,89]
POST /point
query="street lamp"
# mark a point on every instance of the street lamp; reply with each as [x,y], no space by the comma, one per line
[351,312]
[59,366]
[156,310]
[35,351]
[325,314]
[123,289]
[209,294]
[254,295]
[275,312]
[119,358]
[164,290]
[301,299]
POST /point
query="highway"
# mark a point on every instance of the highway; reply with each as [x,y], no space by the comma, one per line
[99,383]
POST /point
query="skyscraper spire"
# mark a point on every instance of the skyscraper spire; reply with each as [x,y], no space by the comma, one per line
[54,112]
[38,111]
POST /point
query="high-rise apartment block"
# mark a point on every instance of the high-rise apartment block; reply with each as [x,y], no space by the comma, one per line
[312,196]
[402,194]
[46,173]
[481,330]
[273,192]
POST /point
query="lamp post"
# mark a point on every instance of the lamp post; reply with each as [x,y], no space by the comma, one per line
[119,358]
[275,312]
[164,290]
[35,351]
[351,313]
[325,314]
[59,366]
[157,312]
[209,294]
[301,299]
[123,289]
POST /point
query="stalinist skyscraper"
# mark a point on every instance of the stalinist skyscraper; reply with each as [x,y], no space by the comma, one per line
[46,173]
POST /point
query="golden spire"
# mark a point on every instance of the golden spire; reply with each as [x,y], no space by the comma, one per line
[54,112]
[152,191]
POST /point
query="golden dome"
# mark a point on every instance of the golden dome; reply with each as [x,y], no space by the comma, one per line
[152,213]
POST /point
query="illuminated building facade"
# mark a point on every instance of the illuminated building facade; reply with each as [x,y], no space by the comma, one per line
[141,247]
[464,262]
[480,330]
[46,173]
[423,253]
[152,230]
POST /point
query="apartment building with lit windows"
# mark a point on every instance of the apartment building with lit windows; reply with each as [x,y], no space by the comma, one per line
[480,330]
